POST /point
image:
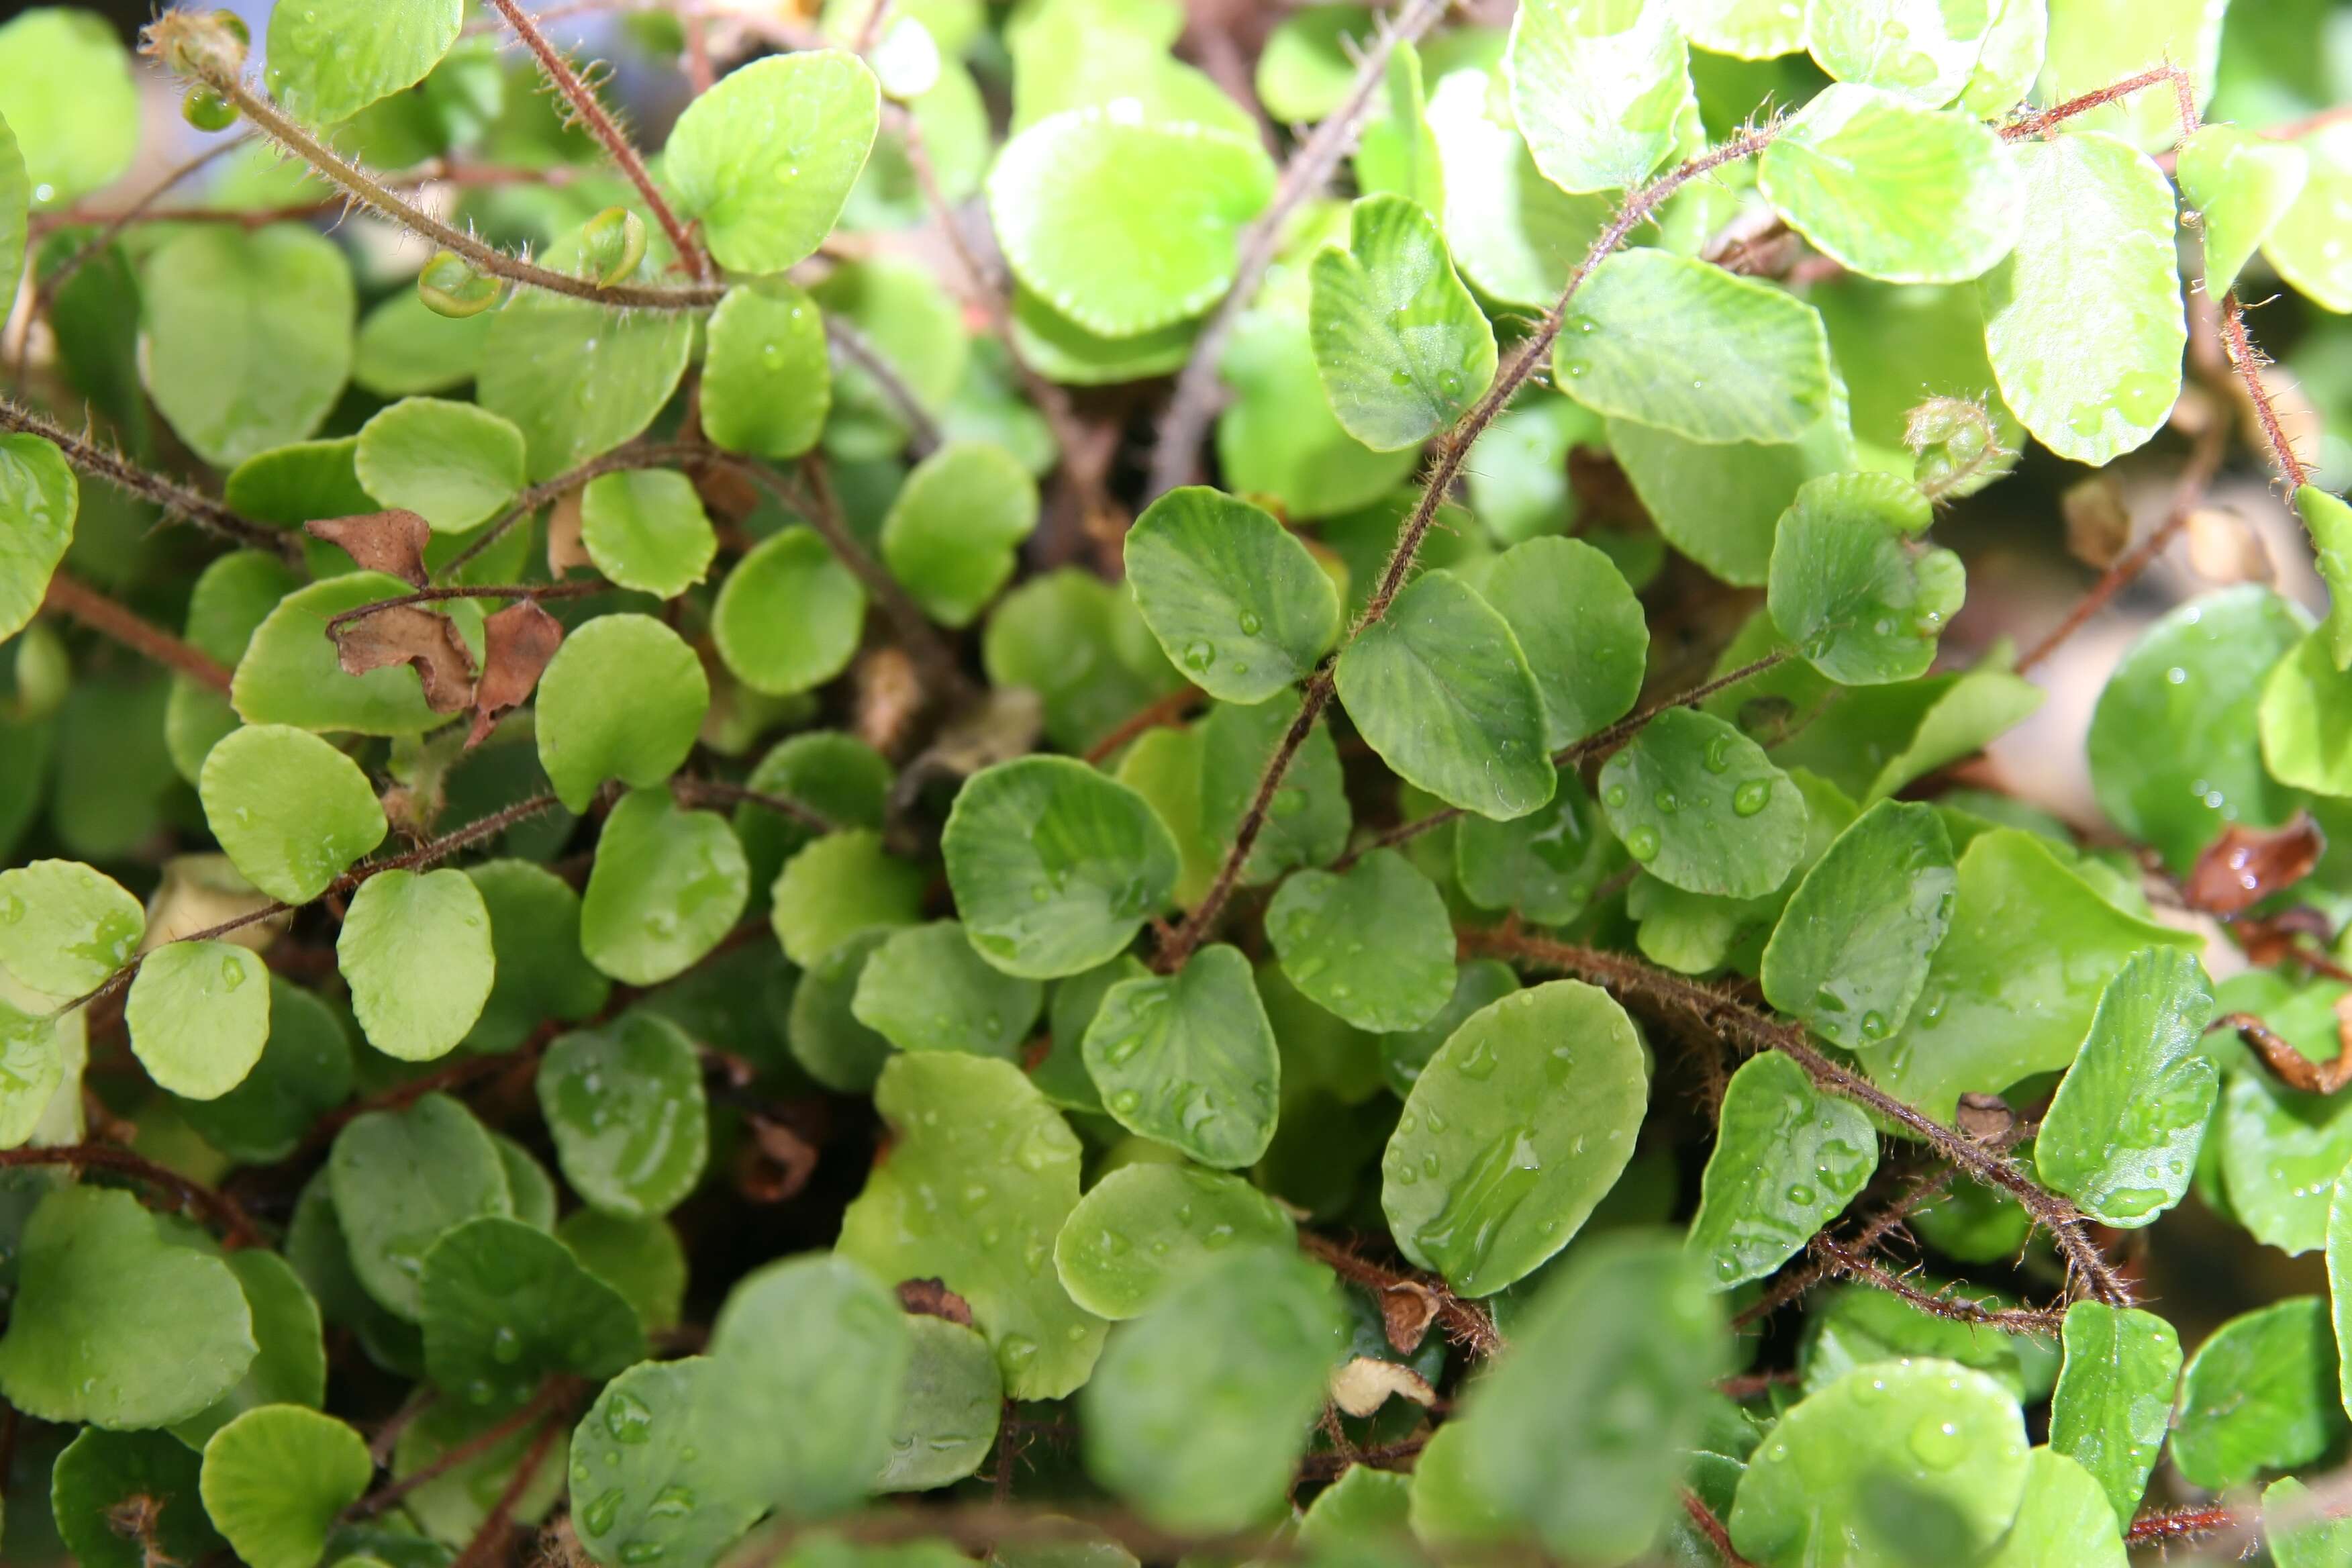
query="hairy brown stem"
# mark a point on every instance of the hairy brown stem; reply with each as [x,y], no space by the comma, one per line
[493,591]
[552,1396]
[1792,1283]
[1466,1323]
[2184,89]
[693,792]
[237,1228]
[1703,1519]
[1186,422]
[175,499]
[1172,709]
[1843,1260]
[102,615]
[1753,1030]
[485,1547]
[2287,1064]
[2247,360]
[2163,1524]
[602,126]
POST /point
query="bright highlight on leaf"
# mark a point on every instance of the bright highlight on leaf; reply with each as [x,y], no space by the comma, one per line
[1398,342]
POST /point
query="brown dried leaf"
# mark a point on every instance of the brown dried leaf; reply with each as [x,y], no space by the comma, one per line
[516,643]
[776,1165]
[932,1299]
[1985,1117]
[2098,524]
[2246,865]
[1407,1310]
[1366,1383]
[2223,548]
[405,634]
[564,550]
[388,541]
[889,697]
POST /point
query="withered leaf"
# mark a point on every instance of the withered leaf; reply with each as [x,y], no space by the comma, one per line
[2246,865]
[389,542]
[1366,1383]
[932,1299]
[404,634]
[776,1163]
[516,643]
[1407,1310]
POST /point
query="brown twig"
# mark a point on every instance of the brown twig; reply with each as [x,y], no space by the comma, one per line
[1792,1283]
[554,1396]
[1703,1519]
[608,133]
[2247,360]
[1468,1324]
[1173,709]
[93,609]
[2167,1524]
[2287,1064]
[175,499]
[621,460]
[484,1547]
[237,1228]
[1843,1260]
[2184,89]
[692,792]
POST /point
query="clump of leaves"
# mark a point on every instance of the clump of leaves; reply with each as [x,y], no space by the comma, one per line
[696,874]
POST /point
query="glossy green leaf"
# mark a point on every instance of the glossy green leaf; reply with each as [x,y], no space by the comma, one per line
[1441,688]
[1520,1124]
[38,500]
[2173,747]
[451,463]
[1750,29]
[840,886]
[767,380]
[624,1105]
[1202,1405]
[951,533]
[622,698]
[198,1014]
[399,1179]
[926,989]
[292,812]
[67,91]
[789,616]
[2307,719]
[1081,645]
[2330,522]
[765,159]
[2300,1530]
[103,1476]
[289,673]
[1125,227]
[981,1177]
[1698,804]
[2011,58]
[1629,1325]
[1721,504]
[1053,867]
[1234,598]
[2297,244]
[646,530]
[415,949]
[1596,87]
[331,59]
[577,378]
[662,1493]
[405,348]
[1400,346]
[2113,1399]
[2063,1519]
[540,971]
[948,1410]
[248,335]
[1582,628]
[1853,587]
[1512,232]
[668,884]
[1787,1159]
[114,1324]
[2121,1135]
[2279,1152]
[1546,866]
[1922,49]
[2240,185]
[1372,945]
[1144,1229]
[506,1306]
[2014,985]
[1190,1059]
[290,1364]
[1916,1460]
[642,1258]
[1892,189]
[277,1479]
[64,927]
[2259,1395]
[1851,950]
[1668,340]
[2082,320]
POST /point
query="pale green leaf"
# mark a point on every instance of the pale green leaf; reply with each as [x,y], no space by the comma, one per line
[1231,594]
[289,673]
[1721,504]
[1145,1228]
[1190,1059]
[789,616]
[579,379]
[2300,1529]
[665,1493]
[506,1306]
[64,927]
[2114,1400]
[948,1410]
[1787,1158]
[840,886]
[331,59]
[276,1480]
[2330,522]
[624,1105]
[668,886]
[1852,586]
[925,989]
[198,1014]
[291,811]
[1924,49]
[1081,645]
[1401,347]
[2011,58]
[646,530]
[1514,234]
[2240,185]
[2307,719]
[69,94]
[2300,243]
[764,160]
[2281,1152]
[1596,86]
[451,463]
[951,532]
[622,698]
[1546,865]
[1852,949]
[2259,1395]
[767,379]
[2121,1136]
[1747,30]
[399,1179]
[38,500]
[2064,1520]
[416,949]
[1372,945]
[540,972]
[1582,628]
[1702,808]
[2096,43]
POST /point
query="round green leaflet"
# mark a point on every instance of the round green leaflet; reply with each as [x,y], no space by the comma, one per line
[1580,628]
[1190,1059]
[1202,1407]
[1893,189]
[1851,950]
[1922,49]
[838,887]
[505,1306]
[248,336]
[64,928]
[622,698]
[331,59]
[1748,29]
[982,1174]
[1922,1460]
[1596,88]
[198,1014]
[114,1325]
[578,379]
[1441,688]
[451,463]
[405,348]
[1400,346]
[33,1050]
[789,616]
[1851,586]
[626,1107]
[827,1040]
[646,530]
[646,1471]
[1721,504]
[767,379]
[835,776]
[948,1410]
[1519,1124]
[415,949]
[766,158]
[1142,1231]
[1233,597]
[2297,243]
[399,1179]
[1372,945]
[1787,1159]
[2113,1402]
[2240,184]
[101,1472]
[667,884]
[1547,866]
[1122,226]
[1404,1056]
[39,500]
[291,811]
[2307,719]
[641,1258]
[925,989]
[66,89]
[276,1479]
[1702,808]
[2260,1394]
[1053,867]
[951,534]
[2062,1518]
[820,1336]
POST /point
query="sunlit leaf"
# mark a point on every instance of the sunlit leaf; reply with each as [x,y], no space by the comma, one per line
[2121,1136]
[1234,598]
[621,698]
[2113,1399]
[624,1105]
[765,159]
[1400,343]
